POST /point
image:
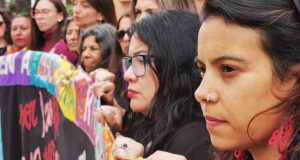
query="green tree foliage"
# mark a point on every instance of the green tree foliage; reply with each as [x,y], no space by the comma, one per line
[20,6]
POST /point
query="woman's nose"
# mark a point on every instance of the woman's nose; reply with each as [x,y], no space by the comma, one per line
[205,92]
[129,75]
[126,37]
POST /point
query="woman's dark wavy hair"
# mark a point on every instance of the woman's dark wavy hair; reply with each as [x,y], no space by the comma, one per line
[278,23]
[65,28]
[37,36]
[171,38]
[7,23]
[187,5]
[105,37]
[107,8]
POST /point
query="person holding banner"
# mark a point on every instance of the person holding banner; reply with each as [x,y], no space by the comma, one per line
[97,47]
[164,115]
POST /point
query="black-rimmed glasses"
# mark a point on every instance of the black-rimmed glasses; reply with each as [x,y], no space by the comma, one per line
[138,63]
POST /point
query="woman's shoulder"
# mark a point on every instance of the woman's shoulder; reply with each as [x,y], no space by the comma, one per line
[191,140]
[191,131]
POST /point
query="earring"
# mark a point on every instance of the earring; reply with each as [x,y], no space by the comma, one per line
[282,137]
[208,97]
[240,155]
[59,20]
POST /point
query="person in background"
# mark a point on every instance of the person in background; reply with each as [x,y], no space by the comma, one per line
[49,17]
[88,13]
[20,33]
[143,8]
[256,42]
[199,5]
[5,40]
[123,37]
[121,49]
[68,47]
[97,47]
[71,34]
[164,115]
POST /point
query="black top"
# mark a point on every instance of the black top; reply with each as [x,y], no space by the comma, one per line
[2,51]
[192,141]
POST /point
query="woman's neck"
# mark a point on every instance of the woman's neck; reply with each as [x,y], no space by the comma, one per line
[52,33]
[83,28]
[264,152]
[2,43]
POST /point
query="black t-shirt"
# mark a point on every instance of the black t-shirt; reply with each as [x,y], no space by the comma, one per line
[192,141]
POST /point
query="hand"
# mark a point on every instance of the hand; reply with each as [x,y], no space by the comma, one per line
[102,74]
[105,90]
[161,155]
[113,116]
[126,148]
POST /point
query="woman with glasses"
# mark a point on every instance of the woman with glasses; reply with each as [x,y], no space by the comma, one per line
[159,69]
[88,13]
[5,39]
[49,17]
[249,58]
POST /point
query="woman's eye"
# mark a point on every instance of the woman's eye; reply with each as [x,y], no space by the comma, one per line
[202,71]
[85,4]
[228,69]
[150,11]
[137,12]
[94,48]
[199,71]
[75,2]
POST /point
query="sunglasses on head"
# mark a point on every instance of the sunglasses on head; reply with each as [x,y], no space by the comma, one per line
[121,34]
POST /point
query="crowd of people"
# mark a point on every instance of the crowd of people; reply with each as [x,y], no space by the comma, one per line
[180,79]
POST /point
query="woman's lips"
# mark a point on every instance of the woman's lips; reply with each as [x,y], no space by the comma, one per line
[213,122]
[131,93]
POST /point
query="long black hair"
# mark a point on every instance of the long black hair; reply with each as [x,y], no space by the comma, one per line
[171,38]
[278,23]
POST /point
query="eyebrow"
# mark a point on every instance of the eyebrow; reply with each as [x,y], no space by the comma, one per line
[224,58]
[139,52]
[227,58]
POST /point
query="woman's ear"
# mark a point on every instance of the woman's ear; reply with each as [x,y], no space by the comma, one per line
[295,70]
[60,17]
[284,87]
[100,18]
